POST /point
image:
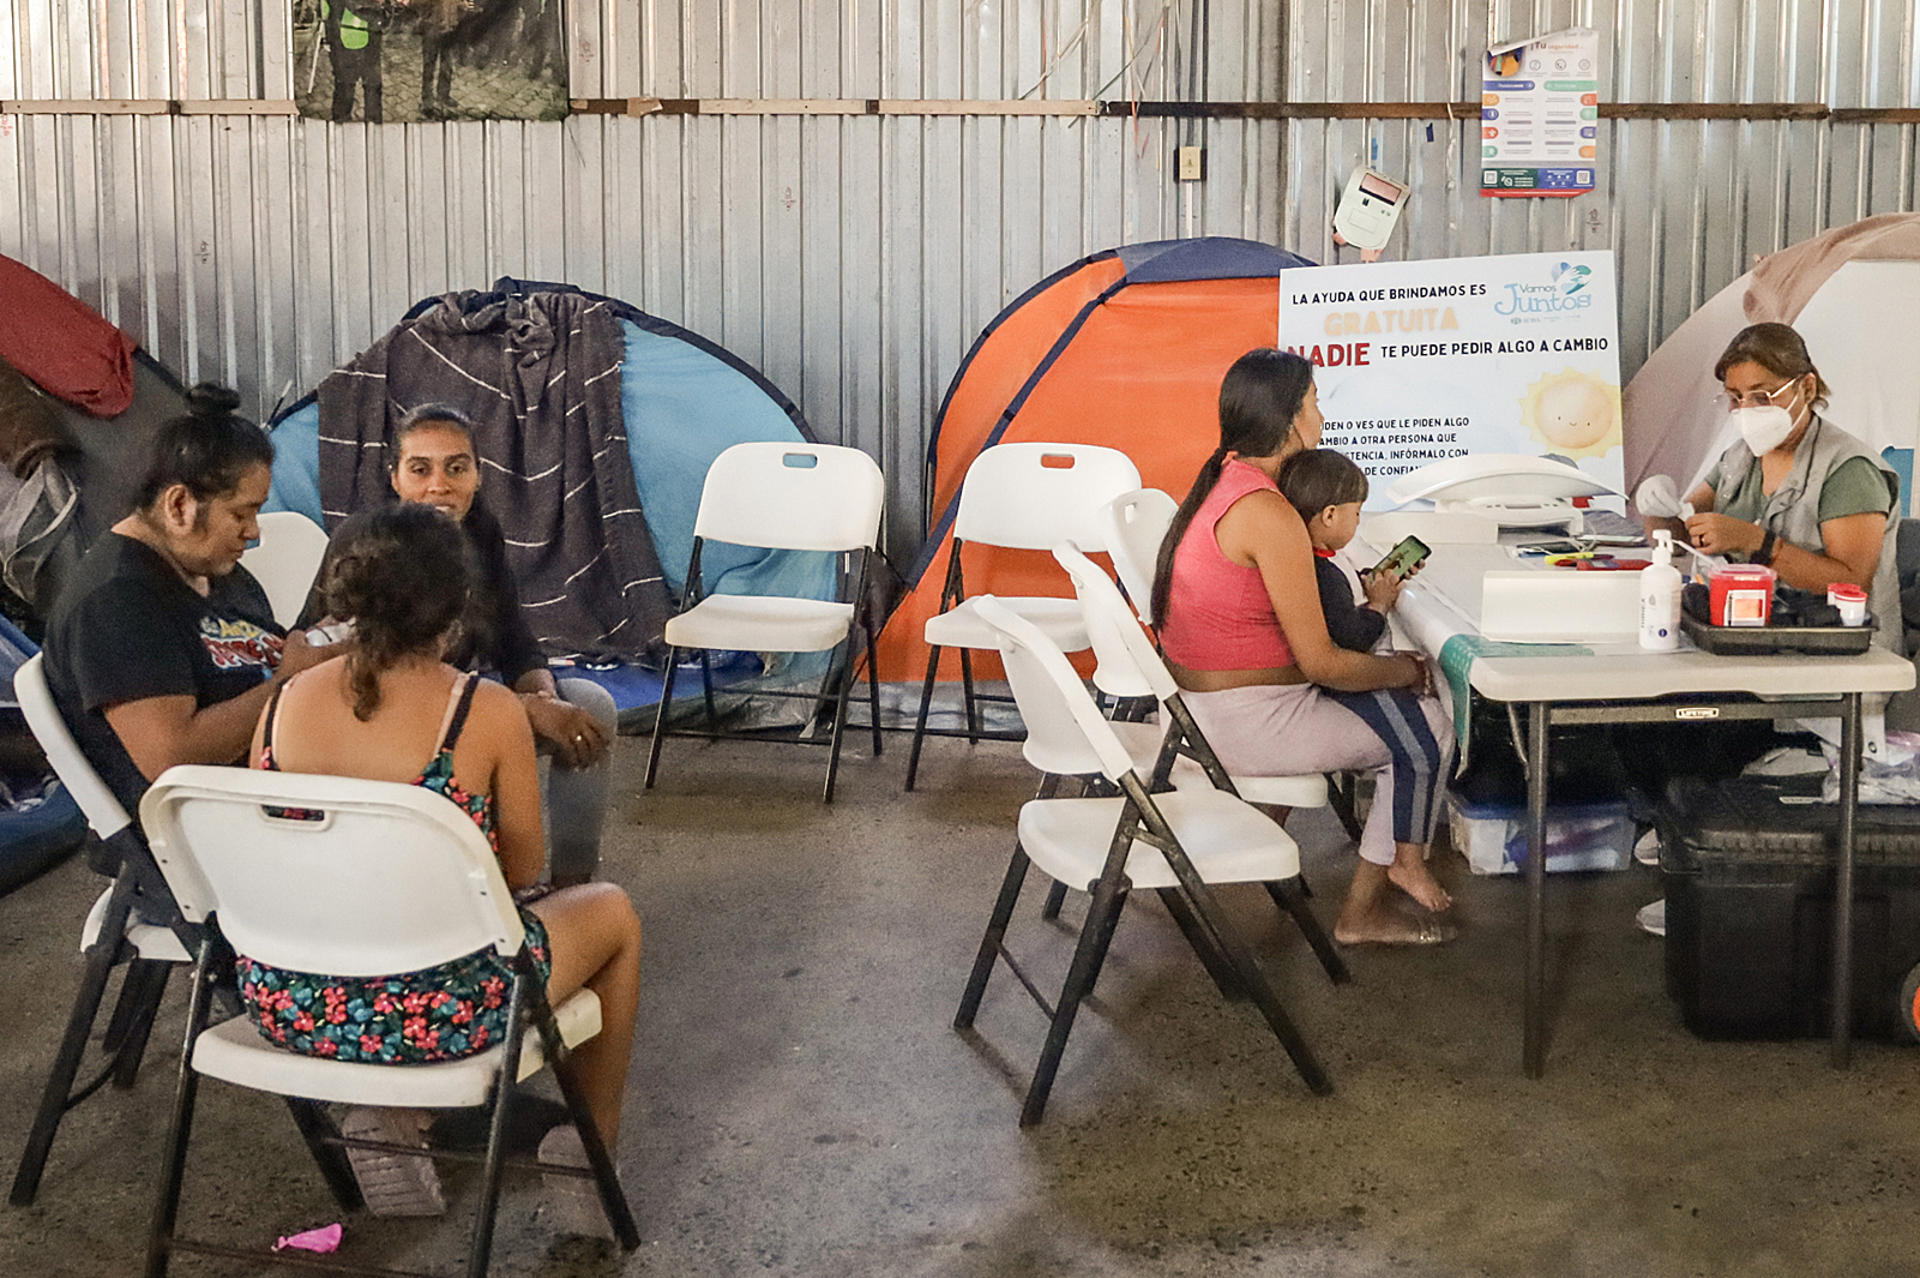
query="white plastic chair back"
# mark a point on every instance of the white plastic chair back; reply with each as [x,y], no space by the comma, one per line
[1119,644]
[792,497]
[97,802]
[1133,525]
[286,560]
[1035,496]
[1066,733]
[334,875]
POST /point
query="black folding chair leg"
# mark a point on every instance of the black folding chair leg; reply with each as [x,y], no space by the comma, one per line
[606,1178]
[995,937]
[1224,977]
[873,685]
[1056,897]
[1102,917]
[126,1008]
[966,690]
[173,1171]
[152,991]
[845,683]
[1344,800]
[73,1044]
[320,1133]
[660,716]
[920,722]
[481,1250]
[1290,895]
[1261,992]
[706,689]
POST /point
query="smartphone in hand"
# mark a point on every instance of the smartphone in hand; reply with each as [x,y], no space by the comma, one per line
[1404,558]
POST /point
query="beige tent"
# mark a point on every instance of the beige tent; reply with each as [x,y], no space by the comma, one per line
[1853,294]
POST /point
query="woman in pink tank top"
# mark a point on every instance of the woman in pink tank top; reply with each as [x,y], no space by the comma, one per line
[1245,635]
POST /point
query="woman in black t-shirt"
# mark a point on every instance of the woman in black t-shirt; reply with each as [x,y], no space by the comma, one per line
[161,649]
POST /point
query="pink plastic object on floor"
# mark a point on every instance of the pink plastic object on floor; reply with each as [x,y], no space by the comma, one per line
[323,1240]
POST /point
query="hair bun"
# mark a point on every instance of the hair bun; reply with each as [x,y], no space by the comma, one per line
[210,401]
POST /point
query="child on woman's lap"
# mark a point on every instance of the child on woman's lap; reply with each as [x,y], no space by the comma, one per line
[1327,489]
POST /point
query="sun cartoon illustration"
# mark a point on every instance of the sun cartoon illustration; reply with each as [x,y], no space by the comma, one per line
[1577,413]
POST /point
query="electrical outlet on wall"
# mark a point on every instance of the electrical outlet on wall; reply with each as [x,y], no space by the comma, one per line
[1193,164]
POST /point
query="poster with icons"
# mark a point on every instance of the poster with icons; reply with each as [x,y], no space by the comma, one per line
[1540,115]
[1417,362]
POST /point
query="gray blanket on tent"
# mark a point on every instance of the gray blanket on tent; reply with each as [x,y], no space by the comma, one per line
[539,374]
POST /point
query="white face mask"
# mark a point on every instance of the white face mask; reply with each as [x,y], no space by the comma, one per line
[1764,428]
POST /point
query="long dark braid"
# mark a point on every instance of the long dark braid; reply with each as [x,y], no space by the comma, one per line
[1259,398]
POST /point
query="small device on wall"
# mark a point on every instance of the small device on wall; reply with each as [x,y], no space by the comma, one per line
[1368,210]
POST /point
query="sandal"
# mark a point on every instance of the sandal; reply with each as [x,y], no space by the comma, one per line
[1427,931]
[393,1184]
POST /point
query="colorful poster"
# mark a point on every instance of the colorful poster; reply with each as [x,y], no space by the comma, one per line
[1421,361]
[1540,115]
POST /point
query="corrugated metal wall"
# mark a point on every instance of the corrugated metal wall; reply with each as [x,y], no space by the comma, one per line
[854,258]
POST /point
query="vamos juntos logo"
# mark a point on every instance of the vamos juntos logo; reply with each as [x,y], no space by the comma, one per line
[1564,293]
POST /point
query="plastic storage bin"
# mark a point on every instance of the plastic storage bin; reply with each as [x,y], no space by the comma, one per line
[1750,867]
[1580,836]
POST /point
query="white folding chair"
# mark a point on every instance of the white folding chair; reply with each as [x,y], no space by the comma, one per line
[1120,643]
[1028,496]
[1175,842]
[1133,526]
[113,933]
[393,878]
[285,560]
[818,497]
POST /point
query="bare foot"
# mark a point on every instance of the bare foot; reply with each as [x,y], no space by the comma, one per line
[1413,878]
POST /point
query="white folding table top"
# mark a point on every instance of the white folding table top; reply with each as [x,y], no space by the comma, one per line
[1444,601]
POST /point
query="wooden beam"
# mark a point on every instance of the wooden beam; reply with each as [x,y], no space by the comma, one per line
[85,106]
[236,106]
[983,106]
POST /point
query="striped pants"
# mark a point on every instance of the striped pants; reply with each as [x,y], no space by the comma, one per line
[1406,742]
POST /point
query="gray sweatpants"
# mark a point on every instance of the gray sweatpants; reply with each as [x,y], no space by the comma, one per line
[574,800]
[1299,729]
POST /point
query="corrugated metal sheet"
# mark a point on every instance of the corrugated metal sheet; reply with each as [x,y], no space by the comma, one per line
[854,258]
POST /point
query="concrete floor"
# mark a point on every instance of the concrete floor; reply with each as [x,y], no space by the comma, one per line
[801,1105]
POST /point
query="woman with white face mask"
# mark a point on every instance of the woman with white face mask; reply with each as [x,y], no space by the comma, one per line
[1797,493]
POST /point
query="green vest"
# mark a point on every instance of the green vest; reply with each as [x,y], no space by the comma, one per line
[354,32]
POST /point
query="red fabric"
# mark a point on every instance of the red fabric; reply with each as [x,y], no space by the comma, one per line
[65,348]
[1143,376]
[1219,616]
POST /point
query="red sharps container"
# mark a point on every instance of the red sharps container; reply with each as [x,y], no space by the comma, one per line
[1742,595]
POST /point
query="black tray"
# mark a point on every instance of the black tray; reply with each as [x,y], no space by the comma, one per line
[1764,641]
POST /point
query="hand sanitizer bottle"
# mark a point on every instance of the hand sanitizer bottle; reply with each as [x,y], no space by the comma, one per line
[1660,598]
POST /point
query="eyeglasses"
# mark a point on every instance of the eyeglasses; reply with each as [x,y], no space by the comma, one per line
[1753,399]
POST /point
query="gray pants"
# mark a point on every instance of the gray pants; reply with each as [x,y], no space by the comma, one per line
[575,799]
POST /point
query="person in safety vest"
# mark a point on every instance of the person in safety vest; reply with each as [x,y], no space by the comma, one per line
[353,52]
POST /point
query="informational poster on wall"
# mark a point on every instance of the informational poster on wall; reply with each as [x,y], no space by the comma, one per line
[1540,115]
[1421,361]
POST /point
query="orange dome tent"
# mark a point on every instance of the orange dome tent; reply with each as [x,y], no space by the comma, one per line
[1125,348]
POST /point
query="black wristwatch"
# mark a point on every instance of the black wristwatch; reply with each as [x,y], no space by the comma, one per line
[1764,555]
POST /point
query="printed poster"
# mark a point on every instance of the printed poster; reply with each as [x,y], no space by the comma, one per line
[401,61]
[1540,115]
[1421,361]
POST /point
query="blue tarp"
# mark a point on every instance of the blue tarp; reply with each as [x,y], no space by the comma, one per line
[40,824]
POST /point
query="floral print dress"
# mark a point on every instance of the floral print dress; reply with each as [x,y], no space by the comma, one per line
[414,1018]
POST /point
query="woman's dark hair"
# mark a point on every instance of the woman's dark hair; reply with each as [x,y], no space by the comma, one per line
[209,449]
[401,575]
[1259,398]
[422,417]
[1778,349]
[1318,478]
